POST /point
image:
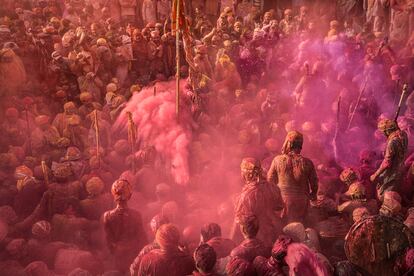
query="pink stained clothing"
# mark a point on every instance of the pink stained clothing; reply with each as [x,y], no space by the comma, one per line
[262,200]
[159,262]
[249,249]
[125,235]
[221,246]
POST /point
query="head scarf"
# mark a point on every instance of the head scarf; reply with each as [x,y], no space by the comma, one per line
[294,139]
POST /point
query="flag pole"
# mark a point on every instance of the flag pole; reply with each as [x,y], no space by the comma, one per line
[98,154]
[177,59]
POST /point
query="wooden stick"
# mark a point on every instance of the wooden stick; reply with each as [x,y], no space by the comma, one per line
[132,139]
[98,155]
[45,172]
[404,91]
[388,251]
[357,103]
[177,58]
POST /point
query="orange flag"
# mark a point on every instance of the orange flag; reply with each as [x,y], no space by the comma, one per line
[182,21]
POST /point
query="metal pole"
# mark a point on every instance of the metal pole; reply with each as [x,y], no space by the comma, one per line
[177,59]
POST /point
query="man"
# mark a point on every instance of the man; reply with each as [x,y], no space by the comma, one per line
[376,14]
[163,10]
[61,119]
[103,63]
[155,54]
[156,222]
[60,196]
[205,259]
[75,132]
[260,199]
[125,233]
[88,104]
[211,235]
[13,128]
[91,83]
[149,11]
[128,11]
[212,9]
[97,202]
[391,205]
[273,265]
[355,197]
[367,159]
[296,177]
[169,259]
[309,91]
[399,23]
[389,175]
[139,50]
[29,191]
[288,25]
[303,19]
[46,139]
[123,57]
[243,8]
[251,247]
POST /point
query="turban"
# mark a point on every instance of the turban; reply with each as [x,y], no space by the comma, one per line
[387,125]
[121,190]
[12,112]
[72,154]
[41,229]
[61,170]
[85,97]
[69,106]
[280,246]
[348,176]
[356,190]
[94,186]
[22,172]
[157,221]
[294,139]
[41,120]
[224,59]
[251,168]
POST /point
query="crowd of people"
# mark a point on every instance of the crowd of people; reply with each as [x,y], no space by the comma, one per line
[300,154]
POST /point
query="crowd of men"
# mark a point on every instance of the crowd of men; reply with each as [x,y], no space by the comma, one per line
[308,101]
